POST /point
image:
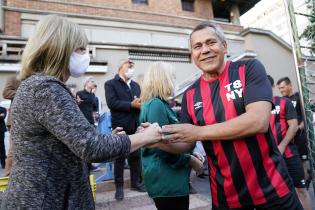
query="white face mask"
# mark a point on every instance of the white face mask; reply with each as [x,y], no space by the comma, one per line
[130,73]
[78,64]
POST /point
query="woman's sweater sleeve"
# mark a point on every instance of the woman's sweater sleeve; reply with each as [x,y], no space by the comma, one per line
[58,112]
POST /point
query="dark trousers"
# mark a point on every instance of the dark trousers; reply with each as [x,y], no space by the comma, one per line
[172,203]
[135,169]
[2,150]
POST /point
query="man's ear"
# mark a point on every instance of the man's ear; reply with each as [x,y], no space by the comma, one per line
[224,43]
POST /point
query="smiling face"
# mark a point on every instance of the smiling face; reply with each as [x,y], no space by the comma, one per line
[285,89]
[207,51]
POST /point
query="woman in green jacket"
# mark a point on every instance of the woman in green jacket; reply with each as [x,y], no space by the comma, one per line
[166,175]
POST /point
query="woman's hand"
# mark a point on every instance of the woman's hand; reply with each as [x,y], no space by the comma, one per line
[196,164]
[147,134]
[118,130]
[152,133]
[199,156]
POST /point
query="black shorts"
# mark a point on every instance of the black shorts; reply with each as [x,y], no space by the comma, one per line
[296,171]
[288,202]
[301,142]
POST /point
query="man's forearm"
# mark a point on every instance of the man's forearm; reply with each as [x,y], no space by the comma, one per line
[176,148]
[239,127]
[255,120]
[293,128]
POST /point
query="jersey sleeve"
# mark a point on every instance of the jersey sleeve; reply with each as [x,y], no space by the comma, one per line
[184,115]
[290,112]
[257,86]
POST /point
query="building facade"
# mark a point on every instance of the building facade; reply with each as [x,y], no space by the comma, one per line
[271,15]
[143,30]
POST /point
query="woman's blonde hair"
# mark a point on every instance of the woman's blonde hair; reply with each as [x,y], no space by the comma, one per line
[158,81]
[49,48]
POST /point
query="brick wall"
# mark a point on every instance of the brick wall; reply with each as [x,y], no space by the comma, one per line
[157,11]
[12,23]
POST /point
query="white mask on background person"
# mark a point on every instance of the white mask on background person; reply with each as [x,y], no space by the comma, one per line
[130,73]
[78,64]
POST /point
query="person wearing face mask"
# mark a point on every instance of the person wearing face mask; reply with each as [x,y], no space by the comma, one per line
[52,139]
[122,98]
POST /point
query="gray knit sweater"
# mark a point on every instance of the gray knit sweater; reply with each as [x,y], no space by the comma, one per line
[52,140]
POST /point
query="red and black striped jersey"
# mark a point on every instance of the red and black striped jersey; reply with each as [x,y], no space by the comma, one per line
[283,111]
[247,171]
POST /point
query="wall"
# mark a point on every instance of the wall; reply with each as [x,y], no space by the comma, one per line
[277,59]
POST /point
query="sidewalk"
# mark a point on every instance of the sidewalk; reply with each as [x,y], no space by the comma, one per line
[141,201]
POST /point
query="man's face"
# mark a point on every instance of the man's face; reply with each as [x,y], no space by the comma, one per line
[90,84]
[285,89]
[126,66]
[207,51]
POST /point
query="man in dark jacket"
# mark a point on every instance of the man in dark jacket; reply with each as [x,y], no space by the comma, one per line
[3,129]
[122,97]
[86,99]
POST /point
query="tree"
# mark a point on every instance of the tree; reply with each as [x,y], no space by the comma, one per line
[309,32]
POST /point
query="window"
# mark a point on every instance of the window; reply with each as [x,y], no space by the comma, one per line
[139,1]
[159,56]
[188,5]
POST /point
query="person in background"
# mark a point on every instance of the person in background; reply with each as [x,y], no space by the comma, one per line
[122,98]
[96,114]
[166,175]
[284,125]
[3,129]
[9,92]
[86,99]
[175,105]
[52,138]
[300,139]
[88,106]
[228,109]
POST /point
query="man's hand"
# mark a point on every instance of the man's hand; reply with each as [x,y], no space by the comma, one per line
[281,148]
[136,103]
[79,100]
[179,133]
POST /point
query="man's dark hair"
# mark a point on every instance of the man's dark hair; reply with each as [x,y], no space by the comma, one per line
[217,29]
[272,82]
[284,79]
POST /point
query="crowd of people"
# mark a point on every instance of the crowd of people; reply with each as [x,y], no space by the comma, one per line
[255,143]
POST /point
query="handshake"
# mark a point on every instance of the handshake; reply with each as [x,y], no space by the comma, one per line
[168,133]
[167,138]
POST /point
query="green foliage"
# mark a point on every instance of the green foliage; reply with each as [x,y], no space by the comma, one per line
[309,32]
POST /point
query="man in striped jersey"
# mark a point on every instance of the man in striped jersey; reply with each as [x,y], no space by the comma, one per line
[284,125]
[228,108]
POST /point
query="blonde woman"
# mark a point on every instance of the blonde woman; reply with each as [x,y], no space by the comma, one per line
[166,175]
[52,139]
